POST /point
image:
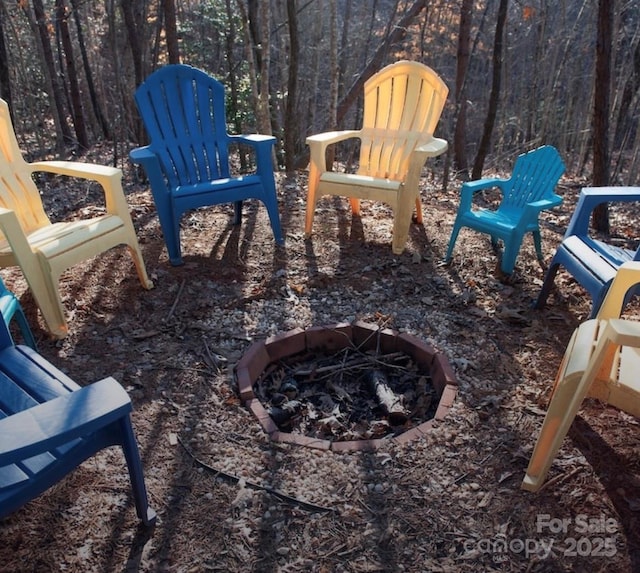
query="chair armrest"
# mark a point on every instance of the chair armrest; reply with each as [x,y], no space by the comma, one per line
[263,145]
[469,188]
[252,138]
[329,137]
[433,148]
[479,184]
[546,203]
[58,421]
[590,198]
[319,142]
[142,155]
[151,164]
[109,178]
[92,171]
[533,209]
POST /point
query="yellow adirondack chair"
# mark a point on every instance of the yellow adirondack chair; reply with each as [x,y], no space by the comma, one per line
[402,106]
[602,361]
[42,249]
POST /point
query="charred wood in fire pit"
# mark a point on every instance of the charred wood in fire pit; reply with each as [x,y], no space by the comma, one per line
[283,414]
[390,402]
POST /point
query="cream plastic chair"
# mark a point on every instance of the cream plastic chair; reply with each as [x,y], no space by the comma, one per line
[42,249]
[402,106]
[602,360]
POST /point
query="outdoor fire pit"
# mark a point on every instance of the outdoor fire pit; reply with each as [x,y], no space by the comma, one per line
[345,387]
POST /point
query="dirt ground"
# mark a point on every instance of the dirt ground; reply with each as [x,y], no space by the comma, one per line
[446,503]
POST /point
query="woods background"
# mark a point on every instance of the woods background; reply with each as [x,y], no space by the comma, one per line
[520,73]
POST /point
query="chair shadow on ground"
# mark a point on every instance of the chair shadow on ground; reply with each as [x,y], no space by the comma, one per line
[622,488]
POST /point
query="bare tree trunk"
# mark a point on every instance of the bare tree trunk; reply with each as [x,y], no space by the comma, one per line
[600,217]
[259,79]
[171,30]
[316,38]
[290,122]
[43,41]
[93,97]
[72,76]
[5,85]
[494,97]
[133,37]
[335,73]
[462,63]
[263,115]
[231,75]
[630,90]
[333,31]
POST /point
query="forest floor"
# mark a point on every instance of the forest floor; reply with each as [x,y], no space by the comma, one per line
[448,502]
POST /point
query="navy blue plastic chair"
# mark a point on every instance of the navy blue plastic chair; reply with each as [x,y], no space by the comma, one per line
[529,191]
[592,262]
[10,307]
[49,425]
[187,159]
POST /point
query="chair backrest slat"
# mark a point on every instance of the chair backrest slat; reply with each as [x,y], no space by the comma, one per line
[18,192]
[534,177]
[402,106]
[183,111]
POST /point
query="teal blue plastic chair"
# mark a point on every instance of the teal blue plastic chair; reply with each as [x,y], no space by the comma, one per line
[187,159]
[591,260]
[49,425]
[529,191]
[10,307]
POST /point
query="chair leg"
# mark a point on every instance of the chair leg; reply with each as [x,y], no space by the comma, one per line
[170,225]
[271,205]
[138,261]
[418,218]
[401,224]
[537,243]
[510,254]
[312,198]
[547,285]
[452,241]
[564,406]
[134,465]
[25,329]
[44,288]
[237,212]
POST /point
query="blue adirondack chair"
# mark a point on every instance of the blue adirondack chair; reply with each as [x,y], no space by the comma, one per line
[10,307]
[187,159]
[529,190]
[592,262]
[49,425]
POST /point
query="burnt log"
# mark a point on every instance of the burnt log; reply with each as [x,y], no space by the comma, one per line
[284,413]
[391,403]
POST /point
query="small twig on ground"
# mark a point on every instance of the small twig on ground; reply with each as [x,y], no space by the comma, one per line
[374,333]
[175,302]
[283,496]
[481,463]
[559,478]
[357,362]
[214,361]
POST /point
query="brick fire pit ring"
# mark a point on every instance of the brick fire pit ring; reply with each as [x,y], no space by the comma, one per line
[333,338]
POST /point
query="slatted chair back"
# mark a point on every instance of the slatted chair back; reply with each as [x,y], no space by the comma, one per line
[402,107]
